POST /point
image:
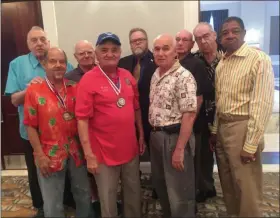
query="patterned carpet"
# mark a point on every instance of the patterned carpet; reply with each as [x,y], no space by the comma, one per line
[16,200]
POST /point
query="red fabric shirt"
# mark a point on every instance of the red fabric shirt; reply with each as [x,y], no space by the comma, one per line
[58,137]
[111,129]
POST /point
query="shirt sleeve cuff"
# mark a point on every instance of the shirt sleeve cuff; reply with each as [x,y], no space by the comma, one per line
[250,148]
[213,129]
[29,123]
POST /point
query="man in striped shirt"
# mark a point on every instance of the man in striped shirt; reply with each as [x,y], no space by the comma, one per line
[244,99]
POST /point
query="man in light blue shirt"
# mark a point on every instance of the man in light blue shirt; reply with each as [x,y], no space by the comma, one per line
[23,71]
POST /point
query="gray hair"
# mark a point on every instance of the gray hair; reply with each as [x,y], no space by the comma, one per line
[203,24]
[35,28]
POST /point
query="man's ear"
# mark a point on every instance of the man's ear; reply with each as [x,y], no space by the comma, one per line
[244,34]
[215,35]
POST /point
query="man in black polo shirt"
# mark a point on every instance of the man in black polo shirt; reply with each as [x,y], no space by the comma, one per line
[84,54]
[184,44]
[141,65]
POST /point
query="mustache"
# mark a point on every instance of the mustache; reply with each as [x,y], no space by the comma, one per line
[230,38]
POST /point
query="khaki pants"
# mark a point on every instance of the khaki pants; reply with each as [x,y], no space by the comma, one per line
[241,183]
[107,181]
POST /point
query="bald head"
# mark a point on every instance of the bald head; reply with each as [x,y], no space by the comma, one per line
[37,42]
[82,44]
[84,54]
[164,51]
[166,38]
[184,43]
[185,34]
[55,64]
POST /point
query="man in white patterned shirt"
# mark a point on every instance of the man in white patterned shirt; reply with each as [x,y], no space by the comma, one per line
[172,113]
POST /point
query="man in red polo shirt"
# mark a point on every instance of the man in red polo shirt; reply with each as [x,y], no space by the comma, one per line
[107,109]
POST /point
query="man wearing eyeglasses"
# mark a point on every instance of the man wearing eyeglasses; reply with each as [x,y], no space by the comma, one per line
[84,54]
[141,65]
[206,39]
[184,44]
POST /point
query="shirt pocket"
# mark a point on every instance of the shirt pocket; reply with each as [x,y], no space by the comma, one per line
[242,82]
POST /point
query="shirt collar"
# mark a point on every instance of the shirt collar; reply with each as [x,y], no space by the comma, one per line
[34,61]
[241,52]
[174,67]
[80,70]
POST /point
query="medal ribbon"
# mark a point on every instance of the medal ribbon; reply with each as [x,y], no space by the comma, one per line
[114,87]
[60,99]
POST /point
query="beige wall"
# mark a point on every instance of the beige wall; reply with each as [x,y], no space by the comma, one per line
[69,21]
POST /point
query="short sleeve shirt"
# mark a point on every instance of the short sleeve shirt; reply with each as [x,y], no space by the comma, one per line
[58,137]
[171,95]
[111,128]
[21,71]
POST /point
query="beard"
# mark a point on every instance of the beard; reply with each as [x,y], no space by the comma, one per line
[138,52]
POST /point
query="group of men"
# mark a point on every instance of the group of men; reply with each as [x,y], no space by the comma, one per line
[84,130]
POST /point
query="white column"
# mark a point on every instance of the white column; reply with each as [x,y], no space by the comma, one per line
[49,21]
[191,16]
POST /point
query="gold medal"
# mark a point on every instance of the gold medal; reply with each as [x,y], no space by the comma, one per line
[121,102]
[67,116]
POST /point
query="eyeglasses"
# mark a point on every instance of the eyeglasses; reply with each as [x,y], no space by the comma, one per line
[84,53]
[206,37]
[134,41]
[178,39]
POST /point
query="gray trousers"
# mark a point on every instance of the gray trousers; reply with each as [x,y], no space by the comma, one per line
[52,189]
[176,190]
[107,180]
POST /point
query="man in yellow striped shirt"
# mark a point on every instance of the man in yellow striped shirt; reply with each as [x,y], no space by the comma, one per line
[244,99]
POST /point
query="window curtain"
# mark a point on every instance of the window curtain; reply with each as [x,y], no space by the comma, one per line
[219,17]
[205,16]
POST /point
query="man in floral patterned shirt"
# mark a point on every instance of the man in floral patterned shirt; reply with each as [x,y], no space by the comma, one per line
[52,131]
[173,106]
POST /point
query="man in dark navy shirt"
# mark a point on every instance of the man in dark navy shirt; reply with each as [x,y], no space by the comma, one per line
[141,65]
[184,44]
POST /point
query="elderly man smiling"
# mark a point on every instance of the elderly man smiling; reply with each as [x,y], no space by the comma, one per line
[107,109]
[172,112]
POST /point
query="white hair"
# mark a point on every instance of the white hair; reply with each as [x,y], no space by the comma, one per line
[166,35]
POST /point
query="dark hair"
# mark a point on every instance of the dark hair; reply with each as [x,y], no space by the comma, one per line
[46,55]
[236,19]
[136,30]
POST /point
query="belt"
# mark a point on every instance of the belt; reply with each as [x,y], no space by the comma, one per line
[229,117]
[171,129]
[158,128]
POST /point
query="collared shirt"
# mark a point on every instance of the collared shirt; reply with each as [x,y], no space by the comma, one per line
[75,75]
[112,130]
[208,106]
[245,86]
[171,95]
[21,71]
[146,64]
[58,137]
